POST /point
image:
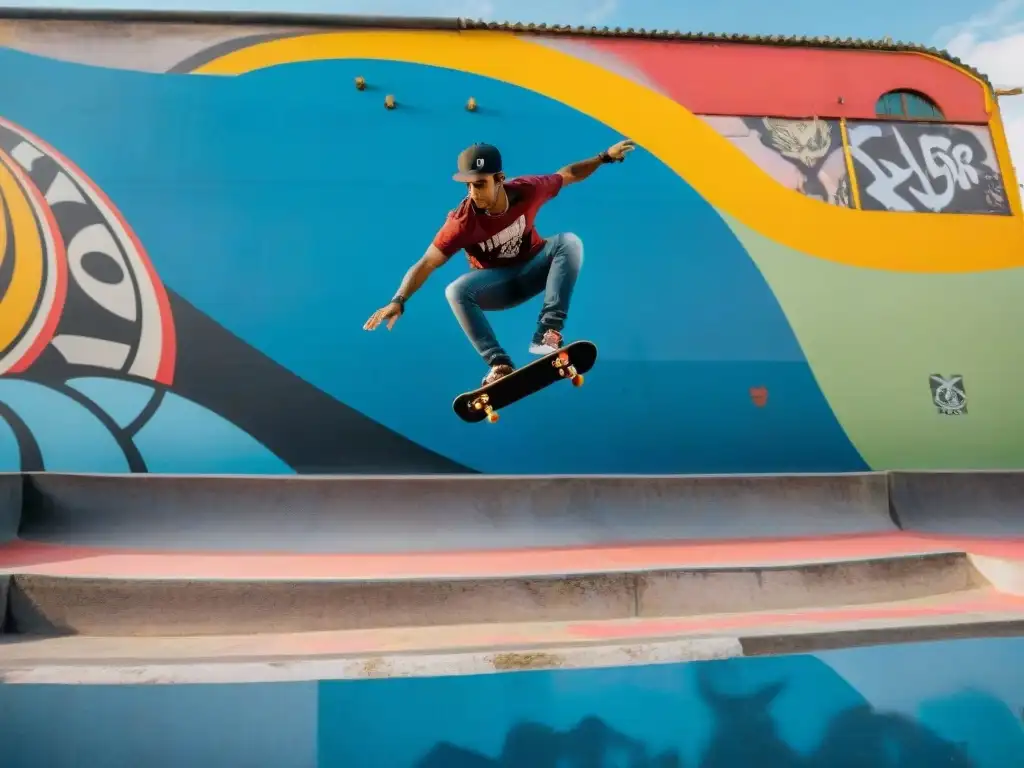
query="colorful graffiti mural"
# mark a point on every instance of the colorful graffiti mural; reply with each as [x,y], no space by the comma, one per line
[919,705]
[193,239]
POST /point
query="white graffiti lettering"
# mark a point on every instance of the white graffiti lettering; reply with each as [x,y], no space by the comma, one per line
[947,167]
[944,160]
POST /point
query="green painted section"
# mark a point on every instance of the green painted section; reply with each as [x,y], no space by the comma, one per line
[873,338]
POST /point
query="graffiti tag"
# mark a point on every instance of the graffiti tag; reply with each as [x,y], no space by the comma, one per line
[915,167]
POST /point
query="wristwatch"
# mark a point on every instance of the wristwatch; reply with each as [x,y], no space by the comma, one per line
[399,299]
[604,157]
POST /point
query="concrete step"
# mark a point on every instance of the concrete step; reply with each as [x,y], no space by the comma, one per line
[500,647]
[61,605]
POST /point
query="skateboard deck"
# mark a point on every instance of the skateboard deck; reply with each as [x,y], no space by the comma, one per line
[569,362]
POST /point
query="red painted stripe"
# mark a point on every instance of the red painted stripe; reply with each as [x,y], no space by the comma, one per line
[758,80]
[992,603]
[474,637]
[58,560]
[59,255]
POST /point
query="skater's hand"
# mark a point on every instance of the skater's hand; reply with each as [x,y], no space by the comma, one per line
[620,150]
[391,313]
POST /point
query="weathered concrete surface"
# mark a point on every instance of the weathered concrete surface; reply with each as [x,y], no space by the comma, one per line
[44,605]
[960,503]
[381,514]
[442,513]
[967,626]
[738,590]
[481,649]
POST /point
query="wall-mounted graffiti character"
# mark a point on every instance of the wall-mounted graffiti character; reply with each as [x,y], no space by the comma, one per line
[926,167]
[511,262]
[804,155]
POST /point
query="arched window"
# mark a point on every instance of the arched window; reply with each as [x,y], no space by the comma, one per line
[907,105]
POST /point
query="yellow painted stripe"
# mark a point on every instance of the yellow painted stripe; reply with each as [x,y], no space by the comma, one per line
[1002,148]
[4,236]
[850,170]
[27,280]
[913,242]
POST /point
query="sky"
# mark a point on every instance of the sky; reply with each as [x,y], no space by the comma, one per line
[988,34]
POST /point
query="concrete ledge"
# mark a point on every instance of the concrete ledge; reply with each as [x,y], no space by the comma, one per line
[43,605]
[379,514]
[354,514]
[372,667]
[980,503]
[809,642]
[288,658]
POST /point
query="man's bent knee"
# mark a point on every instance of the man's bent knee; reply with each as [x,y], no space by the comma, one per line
[572,246]
[457,291]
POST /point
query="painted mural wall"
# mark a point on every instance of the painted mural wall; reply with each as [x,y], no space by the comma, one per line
[922,705]
[198,221]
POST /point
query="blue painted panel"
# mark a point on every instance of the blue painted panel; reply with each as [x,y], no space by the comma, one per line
[158,726]
[286,206]
[954,703]
[903,706]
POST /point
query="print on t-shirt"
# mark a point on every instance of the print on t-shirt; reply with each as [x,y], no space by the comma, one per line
[509,241]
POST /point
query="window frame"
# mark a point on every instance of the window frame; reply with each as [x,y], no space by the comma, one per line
[905,115]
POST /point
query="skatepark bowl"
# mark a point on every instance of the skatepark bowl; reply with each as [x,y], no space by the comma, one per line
[487,620]
[238,529]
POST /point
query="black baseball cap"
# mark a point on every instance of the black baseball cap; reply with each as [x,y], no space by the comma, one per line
[477,162]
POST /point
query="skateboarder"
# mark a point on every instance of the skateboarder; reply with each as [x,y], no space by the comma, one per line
[510,262]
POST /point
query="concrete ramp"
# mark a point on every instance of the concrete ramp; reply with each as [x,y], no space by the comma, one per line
[989,504]
[10,505]
[442,513]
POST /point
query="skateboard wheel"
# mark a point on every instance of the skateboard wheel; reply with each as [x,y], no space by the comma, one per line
[577,380]
[492,416]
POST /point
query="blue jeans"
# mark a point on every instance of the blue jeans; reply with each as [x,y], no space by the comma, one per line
[553,270]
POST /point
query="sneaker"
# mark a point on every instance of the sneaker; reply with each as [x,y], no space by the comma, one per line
[497,372]
[551,341]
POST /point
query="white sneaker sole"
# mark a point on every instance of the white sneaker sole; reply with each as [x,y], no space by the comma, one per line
[541,349]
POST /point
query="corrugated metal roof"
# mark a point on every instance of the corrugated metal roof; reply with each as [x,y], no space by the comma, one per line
[793,41]
[399,22]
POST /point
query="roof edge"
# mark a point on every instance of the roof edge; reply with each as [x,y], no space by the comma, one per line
[350,21]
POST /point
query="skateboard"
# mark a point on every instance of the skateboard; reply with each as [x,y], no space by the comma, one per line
[570,362]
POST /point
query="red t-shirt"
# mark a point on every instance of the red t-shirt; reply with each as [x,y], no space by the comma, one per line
[498,241]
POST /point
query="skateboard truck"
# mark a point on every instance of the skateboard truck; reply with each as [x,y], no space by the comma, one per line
[482,404]
[566,369]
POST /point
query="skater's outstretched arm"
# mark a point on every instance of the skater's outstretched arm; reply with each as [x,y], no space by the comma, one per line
[413,280]
[580,170]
